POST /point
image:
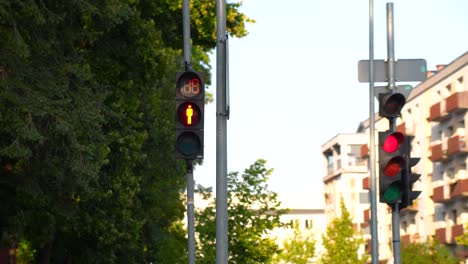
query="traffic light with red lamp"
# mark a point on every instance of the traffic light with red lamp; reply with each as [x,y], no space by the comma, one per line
[392,164]
[190,107]
[395,161]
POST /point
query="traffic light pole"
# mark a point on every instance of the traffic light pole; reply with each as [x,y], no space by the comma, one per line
[189,166]
[221,136]
[392,127]
[373,180]
[190,213]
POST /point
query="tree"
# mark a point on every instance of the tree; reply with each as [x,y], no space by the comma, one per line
[253,213]
[298,249]
[340,241]
[87,171]
[427,252]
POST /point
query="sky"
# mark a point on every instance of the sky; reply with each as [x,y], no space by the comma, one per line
[294,82]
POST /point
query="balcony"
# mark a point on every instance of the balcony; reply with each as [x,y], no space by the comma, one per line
[456,144]
[367,215]
[459,189]
[364,151]
[438,195]
[437,153]
[457,230]
[441,235]
[437,113]
[457,102]
[366,183]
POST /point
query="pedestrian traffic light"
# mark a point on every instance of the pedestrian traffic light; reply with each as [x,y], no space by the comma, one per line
[190,106]
[390,104]
[391,164]
[408,177]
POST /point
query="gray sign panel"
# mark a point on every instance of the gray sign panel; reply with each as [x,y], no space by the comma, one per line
[406,70]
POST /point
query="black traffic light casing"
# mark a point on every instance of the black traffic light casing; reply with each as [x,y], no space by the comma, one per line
[190,108]
[392,163]
[409,178]
[390,104]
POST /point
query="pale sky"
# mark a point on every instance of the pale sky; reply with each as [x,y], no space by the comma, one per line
[294,83]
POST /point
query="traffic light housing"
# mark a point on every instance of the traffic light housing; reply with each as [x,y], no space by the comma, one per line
[190,107]
[392,163]
[409,178]
[390,104]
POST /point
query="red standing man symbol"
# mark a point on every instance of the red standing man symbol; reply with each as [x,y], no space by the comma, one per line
[189,114]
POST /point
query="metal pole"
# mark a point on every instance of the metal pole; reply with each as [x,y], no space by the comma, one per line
[396,234]
[391,86]
[373,180]
[189,174]
[186,28]
[190,213]
[221,137]
[390,48]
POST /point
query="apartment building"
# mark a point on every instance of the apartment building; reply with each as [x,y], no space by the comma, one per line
[345,169]
[435,115]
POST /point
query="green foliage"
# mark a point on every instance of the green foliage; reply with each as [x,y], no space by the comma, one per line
[427,252]
[253,213]
[87,171]
[340,241]
[24,252]
[298,249]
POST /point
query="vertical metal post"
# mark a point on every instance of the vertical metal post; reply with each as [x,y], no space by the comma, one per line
[186,29]
[190,213]
[189,175]
[392,87]
[221,137]
[373,180]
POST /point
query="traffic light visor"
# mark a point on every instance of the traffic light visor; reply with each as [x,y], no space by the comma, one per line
[393,103]
[392,142]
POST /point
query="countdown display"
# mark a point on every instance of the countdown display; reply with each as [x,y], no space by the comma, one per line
[189,85]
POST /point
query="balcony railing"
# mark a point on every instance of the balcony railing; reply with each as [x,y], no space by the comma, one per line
[456,144]
[364,151]
[457,101]
[366,183]
[457,230]
[437,113]
[438,195]
[460,189]
[438,154]
[441,235]
[445,193]
[367,215]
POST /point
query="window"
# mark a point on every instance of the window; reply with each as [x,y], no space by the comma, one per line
[363,197]
[454,217]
